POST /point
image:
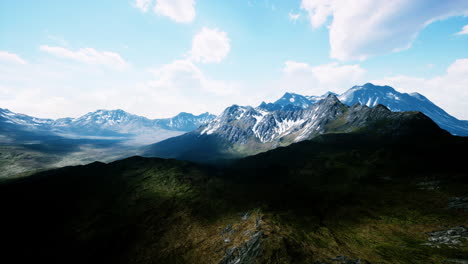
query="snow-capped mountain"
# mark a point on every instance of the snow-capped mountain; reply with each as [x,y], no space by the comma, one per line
[105,124]
[185,121]
[28,122]
[239,124]
[245,130]
[294,99]
[371,95]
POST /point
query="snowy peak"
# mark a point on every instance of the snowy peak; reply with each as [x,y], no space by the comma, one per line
[27,122]
[241,125]
[106,123]
[291,118]
[107,118]
[243,130]
[331,99]
[313,98]
[228,121]
[293,99]
[185,121]
[372,95]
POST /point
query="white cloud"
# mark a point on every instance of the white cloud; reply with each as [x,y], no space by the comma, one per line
[315,80]
[54,87]
[362,28]
[11,57]
[143,5]
[58,88]
[464,31]
[88,56]
[182,11]
[294,17]
[449,91]
[184,75]
[210,46]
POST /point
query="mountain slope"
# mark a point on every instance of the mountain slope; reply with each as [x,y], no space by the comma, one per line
[241,131]
[372,95]
[349,197]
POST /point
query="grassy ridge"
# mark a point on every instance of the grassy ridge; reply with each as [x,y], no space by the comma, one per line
[337,195]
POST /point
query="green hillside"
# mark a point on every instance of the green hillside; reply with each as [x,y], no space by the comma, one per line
[336,199]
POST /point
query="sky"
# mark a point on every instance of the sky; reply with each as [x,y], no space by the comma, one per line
[157,58]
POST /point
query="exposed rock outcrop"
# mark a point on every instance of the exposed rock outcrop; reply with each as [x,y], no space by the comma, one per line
[452,237]
[247,251]
[460,203]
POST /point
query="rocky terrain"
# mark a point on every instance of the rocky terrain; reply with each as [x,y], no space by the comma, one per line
[338,198]
[241,131]
[451,237]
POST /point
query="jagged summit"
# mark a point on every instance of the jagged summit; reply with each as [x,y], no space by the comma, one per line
[244,130]
[332,98]
[292,99]
[372,95]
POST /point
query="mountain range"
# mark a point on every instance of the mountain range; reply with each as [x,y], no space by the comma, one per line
[28,144]
[372,95]
[239,131]
[242,130]
[120,125]
[343,198]
[101,124]
[332,179]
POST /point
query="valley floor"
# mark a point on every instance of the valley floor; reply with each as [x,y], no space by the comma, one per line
[27,159]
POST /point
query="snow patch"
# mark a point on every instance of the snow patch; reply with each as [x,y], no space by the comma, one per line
[285,126]
[258,120]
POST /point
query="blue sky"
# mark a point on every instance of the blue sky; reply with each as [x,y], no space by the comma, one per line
[160,57]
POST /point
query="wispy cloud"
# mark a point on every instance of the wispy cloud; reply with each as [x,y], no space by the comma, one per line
[6,56]
[294,16]
[464,31]
[88,56]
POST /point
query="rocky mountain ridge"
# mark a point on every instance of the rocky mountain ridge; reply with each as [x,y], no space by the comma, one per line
[244,130]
